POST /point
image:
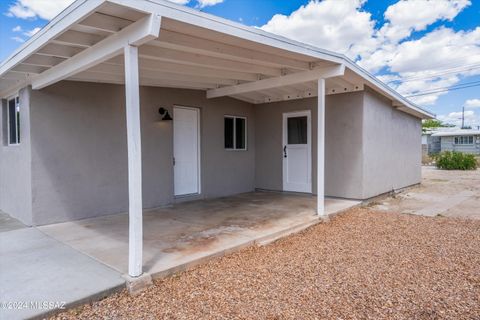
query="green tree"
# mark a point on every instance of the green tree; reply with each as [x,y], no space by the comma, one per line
[434,123]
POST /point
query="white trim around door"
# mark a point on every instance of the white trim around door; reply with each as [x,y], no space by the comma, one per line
[186,151]
[297,151]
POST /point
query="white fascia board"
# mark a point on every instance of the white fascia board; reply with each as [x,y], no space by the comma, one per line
[136,34]
[270,83]
[71,15]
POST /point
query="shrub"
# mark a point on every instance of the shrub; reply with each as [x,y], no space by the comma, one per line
[456,161]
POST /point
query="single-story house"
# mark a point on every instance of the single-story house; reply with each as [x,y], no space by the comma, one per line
[430,144]
[460,140]
[88,103]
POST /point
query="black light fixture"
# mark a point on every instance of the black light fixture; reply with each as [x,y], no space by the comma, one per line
[164,113]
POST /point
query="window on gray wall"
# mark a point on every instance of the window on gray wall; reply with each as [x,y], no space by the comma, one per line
[464,140]
[235,133]
[13,121]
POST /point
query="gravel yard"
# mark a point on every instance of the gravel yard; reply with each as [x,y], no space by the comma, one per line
[362,264]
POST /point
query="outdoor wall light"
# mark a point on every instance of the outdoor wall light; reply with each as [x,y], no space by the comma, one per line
[164,113]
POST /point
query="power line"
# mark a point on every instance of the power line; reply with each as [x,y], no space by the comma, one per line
[444,89]
[435,75]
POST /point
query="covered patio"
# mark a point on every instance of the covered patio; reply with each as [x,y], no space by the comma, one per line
[159,44]
[179,236]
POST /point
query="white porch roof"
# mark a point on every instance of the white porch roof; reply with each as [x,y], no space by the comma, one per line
[461,132]
[182,48]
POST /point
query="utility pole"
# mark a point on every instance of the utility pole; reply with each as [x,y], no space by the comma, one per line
[463,117]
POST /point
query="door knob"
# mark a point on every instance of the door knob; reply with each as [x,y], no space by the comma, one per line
[285,151]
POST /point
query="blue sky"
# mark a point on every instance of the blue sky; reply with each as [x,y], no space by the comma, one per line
[416,46]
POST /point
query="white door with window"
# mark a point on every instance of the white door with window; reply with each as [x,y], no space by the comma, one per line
[186,150]
[297,152]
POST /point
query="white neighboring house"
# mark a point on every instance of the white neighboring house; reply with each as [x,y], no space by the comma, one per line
[460,140]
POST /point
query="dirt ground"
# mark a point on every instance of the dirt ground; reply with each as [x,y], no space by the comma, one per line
[442,193]
[363,264]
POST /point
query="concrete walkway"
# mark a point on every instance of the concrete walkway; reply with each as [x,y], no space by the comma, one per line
[38,273]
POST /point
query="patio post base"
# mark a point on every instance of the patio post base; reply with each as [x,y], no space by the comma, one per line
[136,285]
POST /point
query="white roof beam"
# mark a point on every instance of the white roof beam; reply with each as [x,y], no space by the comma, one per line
[175,40]
[178,68]
[15,76]
[77,38]
[57,50]
[136,34]
[286,80]
[25,68]
[162,75]
[343,89]
[165,54]
[43,61]
[104,22]
[90,76]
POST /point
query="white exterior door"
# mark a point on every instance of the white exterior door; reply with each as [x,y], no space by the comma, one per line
[186,150]
[297,152]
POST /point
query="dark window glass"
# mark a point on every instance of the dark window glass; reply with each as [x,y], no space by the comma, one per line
[240,133]
[228,133]
[12,121]
[297,130]
[18,119]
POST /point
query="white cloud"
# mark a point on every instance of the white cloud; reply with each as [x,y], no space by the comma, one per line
[44,9]
[17,29]
[207,3]
[18,39]
[30,33]
[340,26]
[439,59]
[471,118]
[406,16]
[343,26]
[472,103]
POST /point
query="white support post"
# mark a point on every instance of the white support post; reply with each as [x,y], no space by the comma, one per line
[135,232]
[321,148]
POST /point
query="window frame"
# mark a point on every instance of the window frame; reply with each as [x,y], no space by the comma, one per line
[460,140]
[235,132]
[15,97]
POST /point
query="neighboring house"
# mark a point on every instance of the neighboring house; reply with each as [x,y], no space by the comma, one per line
[430,143]
[82,135]
[461,140]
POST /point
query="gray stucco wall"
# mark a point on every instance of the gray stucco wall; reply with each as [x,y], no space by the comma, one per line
[343,143]
[79,152]
[448,144]
[391,147]
[370,148]
[15,165]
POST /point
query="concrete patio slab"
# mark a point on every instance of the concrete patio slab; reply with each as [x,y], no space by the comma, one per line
[185,234]
[38,273]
